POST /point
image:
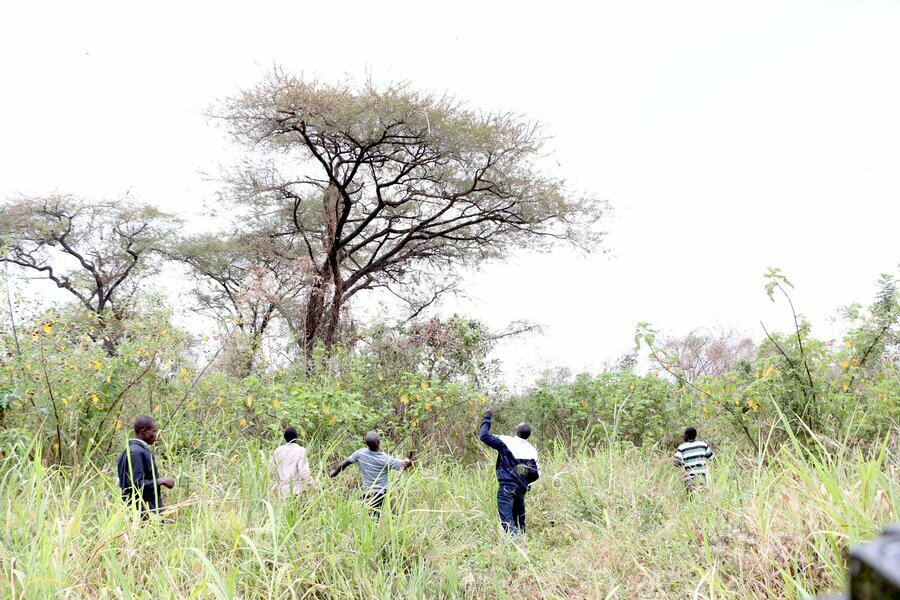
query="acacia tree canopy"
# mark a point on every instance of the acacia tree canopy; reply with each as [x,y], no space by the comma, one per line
[97,251]
[391,188]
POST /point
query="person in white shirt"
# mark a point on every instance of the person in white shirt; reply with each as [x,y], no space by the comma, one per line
[292,465]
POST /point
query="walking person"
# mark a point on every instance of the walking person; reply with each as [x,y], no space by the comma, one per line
[292,465]
[374,466]
[692,456]
[138,477]
[517,469]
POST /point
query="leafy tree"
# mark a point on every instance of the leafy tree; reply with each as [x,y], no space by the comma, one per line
[707,353]
[390,188]
[99,252]
[244,281]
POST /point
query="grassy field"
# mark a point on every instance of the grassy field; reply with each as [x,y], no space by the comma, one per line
[610,522]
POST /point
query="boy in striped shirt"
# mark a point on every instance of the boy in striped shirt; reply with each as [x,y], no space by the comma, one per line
[692,455]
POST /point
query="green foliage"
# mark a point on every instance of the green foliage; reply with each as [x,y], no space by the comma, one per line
[608,522]
[589,409]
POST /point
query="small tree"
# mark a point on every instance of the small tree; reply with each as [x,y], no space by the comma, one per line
[97,251]
[245,281]
[708,353]
[389,188]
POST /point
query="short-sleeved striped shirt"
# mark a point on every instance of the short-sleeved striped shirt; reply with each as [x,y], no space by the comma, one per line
[693,457]
[374,467]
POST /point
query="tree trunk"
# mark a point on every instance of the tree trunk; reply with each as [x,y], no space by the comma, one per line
[315,309]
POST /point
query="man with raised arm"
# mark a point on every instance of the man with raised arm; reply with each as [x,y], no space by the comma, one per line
[374,466]
[138,478]
[517,469]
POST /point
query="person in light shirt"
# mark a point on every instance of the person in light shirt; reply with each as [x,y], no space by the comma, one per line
[292,465]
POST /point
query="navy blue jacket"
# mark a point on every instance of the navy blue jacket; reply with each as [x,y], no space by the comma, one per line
[141,479]
[517,463]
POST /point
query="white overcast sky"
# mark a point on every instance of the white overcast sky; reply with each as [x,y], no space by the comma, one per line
[729,136]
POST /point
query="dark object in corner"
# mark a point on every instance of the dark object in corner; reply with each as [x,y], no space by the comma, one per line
[875,568]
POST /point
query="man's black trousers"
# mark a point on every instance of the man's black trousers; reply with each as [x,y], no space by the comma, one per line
[511,506]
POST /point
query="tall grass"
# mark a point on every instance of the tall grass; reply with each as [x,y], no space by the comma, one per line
[607,522]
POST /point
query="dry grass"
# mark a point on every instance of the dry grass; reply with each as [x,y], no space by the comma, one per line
[610,522]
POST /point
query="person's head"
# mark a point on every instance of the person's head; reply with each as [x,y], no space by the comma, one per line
[690,434]
[523,430]
[145,429]
[290,434]
[372,441]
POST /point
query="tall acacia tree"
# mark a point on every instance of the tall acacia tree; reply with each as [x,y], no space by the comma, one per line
[97,251]
[391,188]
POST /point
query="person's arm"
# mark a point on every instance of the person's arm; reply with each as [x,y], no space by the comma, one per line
[709,453]
[303,471]
[344,464]
[341,466]
[678,458]
[485,434]
[399,464]
[142,475]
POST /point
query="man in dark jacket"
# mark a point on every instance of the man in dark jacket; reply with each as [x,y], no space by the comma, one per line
[138,478]
[517,469]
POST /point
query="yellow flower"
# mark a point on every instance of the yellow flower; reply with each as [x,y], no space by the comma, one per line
[325,410]
[219,402]
[381,378]
[279,373]
[339,383]
[276,403]
[847,343]
[404,399]
[118,425]
[197,444]
[243,422]
[108,378]
[415,423]
[97,365]
[95,398]
[164,332]
[437,398]
[249,401]
[184,372]
[483,399]
[424,385]
[65,401]
[309,405]
[181,442]
[428,406]
[47,327]
[846,386]
[156,408]
[845,365]
[769,371]
[332,419]
[655,373]
[169,365]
